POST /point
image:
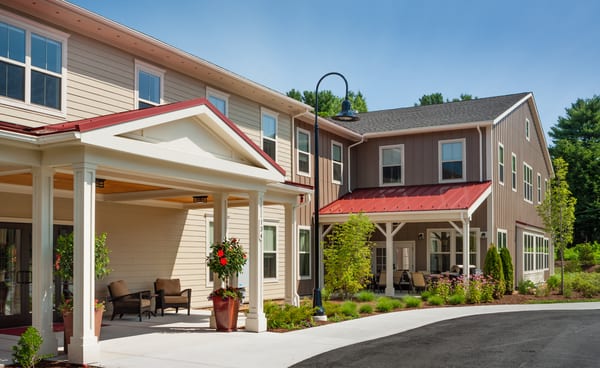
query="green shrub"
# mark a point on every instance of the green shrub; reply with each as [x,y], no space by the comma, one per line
[442,287]
[325,294]
[384,304]
[397,304]
[365,296]
[435,300]
[25,353]
[553,282]
[493,268]
[412,302]
[288,316]
[365,309]
[588,284]
[507,269]
[426,295]
[456,299]
[349,309]
[526,287]
[331,308]
[586,254]
[570,254]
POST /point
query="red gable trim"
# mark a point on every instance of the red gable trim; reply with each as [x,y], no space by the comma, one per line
[103,121]
[459,196]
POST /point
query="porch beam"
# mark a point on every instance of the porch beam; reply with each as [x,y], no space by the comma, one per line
[42,285]
[84,347]
[458,229]
[256,320]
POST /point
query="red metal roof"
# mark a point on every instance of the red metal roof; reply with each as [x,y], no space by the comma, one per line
[436,197]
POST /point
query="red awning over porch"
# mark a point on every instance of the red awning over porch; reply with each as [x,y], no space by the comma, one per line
[438,197]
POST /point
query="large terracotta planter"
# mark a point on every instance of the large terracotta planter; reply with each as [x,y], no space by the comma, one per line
[68,326]
[226,313]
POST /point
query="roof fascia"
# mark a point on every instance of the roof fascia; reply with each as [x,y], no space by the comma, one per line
[405,216]
[541,135]
[486,193]
[431,129]
[324,124]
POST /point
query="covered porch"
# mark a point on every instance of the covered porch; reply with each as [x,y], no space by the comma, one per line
[153,180]
[419,228]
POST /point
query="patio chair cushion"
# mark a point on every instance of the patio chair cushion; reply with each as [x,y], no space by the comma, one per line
[175,299]
[170,286]
[119,288]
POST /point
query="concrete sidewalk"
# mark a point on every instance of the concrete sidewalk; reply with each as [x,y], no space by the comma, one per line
[186,341]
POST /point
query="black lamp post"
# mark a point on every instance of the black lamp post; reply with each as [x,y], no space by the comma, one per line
[345,115]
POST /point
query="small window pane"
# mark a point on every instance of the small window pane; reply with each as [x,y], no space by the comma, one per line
[392,156]
[149,87]
[452,151]
[12,81]
[219,103]
[337,172]
[45,90]
[269,238]
[269,126]
[303,163]
[336,153]
[12,43]
[46,53]
[303,142]
[392,174]
[269,147]
[452,170]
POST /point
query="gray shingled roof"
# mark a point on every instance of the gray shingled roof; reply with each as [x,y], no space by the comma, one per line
[478,110]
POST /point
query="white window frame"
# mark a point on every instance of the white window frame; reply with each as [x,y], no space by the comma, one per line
[299,152]
[309,276]
[539,188]
[208,220]
[274,225]
[513,171]
[211,92]
[501,166]
[402,169]
[266,112]
[31,27]
[527,130]
[141,66]
[339,163]
[501,238]
[538,257]
[441,143]
[527,185]
[475,232]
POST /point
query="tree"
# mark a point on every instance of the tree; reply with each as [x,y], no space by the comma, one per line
[558,213]
[492,267]
[438,98]
[347,256]
[329,104]
[507,269]
[576,139]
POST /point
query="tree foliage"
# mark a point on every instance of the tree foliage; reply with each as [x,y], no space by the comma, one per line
[347,256]
[492,267]
[576,139]
[330,104]
[507,269]
[438,98]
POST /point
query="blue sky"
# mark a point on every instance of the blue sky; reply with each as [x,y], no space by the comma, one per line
[392,51]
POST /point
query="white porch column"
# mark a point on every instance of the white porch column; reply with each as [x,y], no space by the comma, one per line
[42,285]
[256,320]
[389,259]
[220,207]
[291,256]
[466,248]
[84,347]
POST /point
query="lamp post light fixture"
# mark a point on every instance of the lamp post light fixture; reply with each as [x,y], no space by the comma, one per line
[345,115]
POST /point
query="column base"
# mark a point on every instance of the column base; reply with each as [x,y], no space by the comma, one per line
[84,350]
[256,322]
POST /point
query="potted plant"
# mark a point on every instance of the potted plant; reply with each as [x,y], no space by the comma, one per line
[226,259]
[64,269]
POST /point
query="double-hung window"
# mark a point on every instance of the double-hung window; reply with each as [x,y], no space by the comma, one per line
[500,163]
[452,164]
[304,250]
[270,251]
[527,183]
[391,163]
[303,152]
[32,66]
[149,85]
[513,170]
[219,99]
[269,132]
[501,238]
[337,164]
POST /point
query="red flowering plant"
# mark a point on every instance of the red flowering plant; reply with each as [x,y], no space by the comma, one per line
[67,306]
[227,259]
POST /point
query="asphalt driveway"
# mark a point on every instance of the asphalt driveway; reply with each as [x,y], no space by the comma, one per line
[545,338]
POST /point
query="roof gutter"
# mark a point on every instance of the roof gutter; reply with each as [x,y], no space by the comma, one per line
[427,129]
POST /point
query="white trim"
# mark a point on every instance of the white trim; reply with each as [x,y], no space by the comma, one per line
[512,108]
[310,255]
[498,232]
[454,246]
[514,176]
[527,185]
[152,70]
[463,142]
[30,27]
[211,92]
[381,149]
[501,164]
[298,152]
[277,253]
[527,130]
[341,163]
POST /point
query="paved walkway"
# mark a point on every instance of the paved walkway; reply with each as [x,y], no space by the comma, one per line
[182,341]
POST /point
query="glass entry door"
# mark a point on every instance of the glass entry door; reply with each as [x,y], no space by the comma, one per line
[15,274]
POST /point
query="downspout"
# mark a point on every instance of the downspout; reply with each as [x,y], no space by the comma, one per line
[362,140]
[480,154]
